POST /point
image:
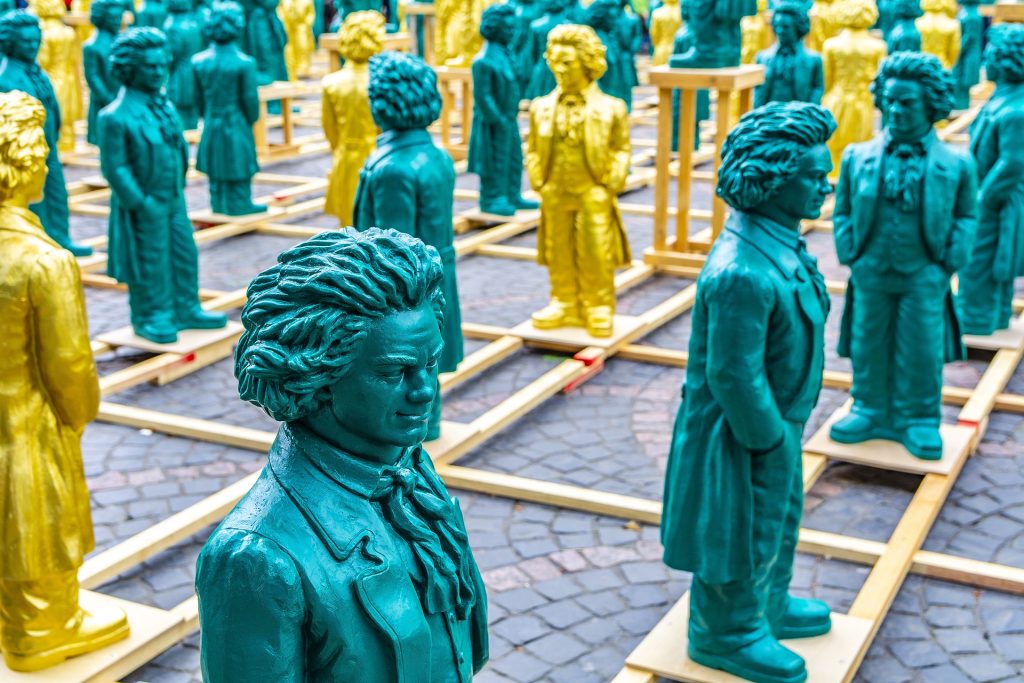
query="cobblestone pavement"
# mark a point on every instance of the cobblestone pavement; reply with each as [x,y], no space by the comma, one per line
[571,594]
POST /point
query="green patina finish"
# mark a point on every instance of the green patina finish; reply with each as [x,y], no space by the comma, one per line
[607,19]
[184,40]
[967,70]
[733,485]
[144,157]
[495,145]
[904,36]
[348,560]
[986,283]
[905,218]
[715,28]
[20,38]
[227,96]
[407,182]
[556,13]
[105,16]
[792,73]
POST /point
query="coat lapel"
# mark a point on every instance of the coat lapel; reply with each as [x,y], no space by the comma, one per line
[935,197]
[399,616]
[867,182]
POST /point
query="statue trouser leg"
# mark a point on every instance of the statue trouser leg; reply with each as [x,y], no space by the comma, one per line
[594,247]
[233,197]
[731,623]
[984,303]
[184,275]
[558,213]
[150,293]
[41,623]
[53,210]
[871,353]
[494,184]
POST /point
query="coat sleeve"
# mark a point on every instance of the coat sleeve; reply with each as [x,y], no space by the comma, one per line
[965,218]
[1006,175]
[534,172]
[619,149]
[94,70]
[483,93]
[817,87]
[63,351]
[392,195]
[115,164]
[739,306]
[252,610]
[250,95]
[842,219]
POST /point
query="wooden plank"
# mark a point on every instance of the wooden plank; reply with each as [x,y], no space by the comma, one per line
[479,361]
[188,427]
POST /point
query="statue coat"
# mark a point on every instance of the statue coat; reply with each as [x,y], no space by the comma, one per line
[227,97]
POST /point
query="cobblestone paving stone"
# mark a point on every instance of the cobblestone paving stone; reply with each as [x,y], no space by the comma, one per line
[571,593]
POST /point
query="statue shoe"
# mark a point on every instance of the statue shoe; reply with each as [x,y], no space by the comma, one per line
[79,250]
[599,321]
[199,319]
[923,441]
[157,331]
[555,315]
[765,660]
[855,428]
[99,628]
[499,207]
[523,203]
[804,618]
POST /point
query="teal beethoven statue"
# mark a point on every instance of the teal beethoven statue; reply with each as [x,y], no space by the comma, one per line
[184,40]
[228,97]
[904,36]
[792,73]
[715,27]
[904,220]
[264,39]
[495,146]
[144,157]
[606,17]
[734,480]
[152,13]
[407,182]
[997,143]
[967,70]
[348,559]
[556,13]
[106,16]
[20,38]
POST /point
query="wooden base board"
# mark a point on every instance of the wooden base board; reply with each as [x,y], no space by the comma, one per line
[147,625]
[1010,338]
[829,658]
[478,217]
[189,341]
[890,455]
[577,337]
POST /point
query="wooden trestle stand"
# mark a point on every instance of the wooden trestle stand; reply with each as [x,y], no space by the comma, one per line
[462,80]
[684,250]
[397,42]
[428,12]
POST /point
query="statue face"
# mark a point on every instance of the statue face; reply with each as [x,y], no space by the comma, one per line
[26,44]
[567,68]
[906,111]
[150,72]
[382,405]
[801,198]
[506,30]
[784,25]
[110,20]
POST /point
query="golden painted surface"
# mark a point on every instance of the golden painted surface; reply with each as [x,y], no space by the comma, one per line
[851,62]
[48,393]
[823,25]
[755,33]
[345,111]
[665,21]
[940,30]
[60,56]
[297,17]
[458,31]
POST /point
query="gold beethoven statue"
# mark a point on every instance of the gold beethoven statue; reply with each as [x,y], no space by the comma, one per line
[48,393]
[940,30]
[755,35]
[458,31]
[60,57]
[851,61]
[297,17]
[348,124]
[823,24]
[577,158]
[665,21]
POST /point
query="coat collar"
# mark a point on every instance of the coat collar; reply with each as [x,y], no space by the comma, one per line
[397,139]
[769,238]
[18,219]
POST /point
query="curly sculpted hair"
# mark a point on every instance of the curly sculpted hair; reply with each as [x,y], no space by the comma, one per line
[361,36]
[23,147]
[589,47]
[1006,49]
[403,92]
[923,68]
[306,316]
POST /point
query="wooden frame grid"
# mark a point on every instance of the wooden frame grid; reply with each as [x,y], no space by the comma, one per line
[890,561]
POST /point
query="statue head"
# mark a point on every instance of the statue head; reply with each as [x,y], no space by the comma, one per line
[790,22]
[947,7]
[575,56]
[913,92]
[775,162]
[906,9]
[1004,55]
[855,14]
[403,92]
[602,15]
[107,15]
[558,6]
[139,59]
[226,22]
[498,24]
[361,36]
[20,36]
[180,6]
[23,148]
[48,9]
[344,335]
